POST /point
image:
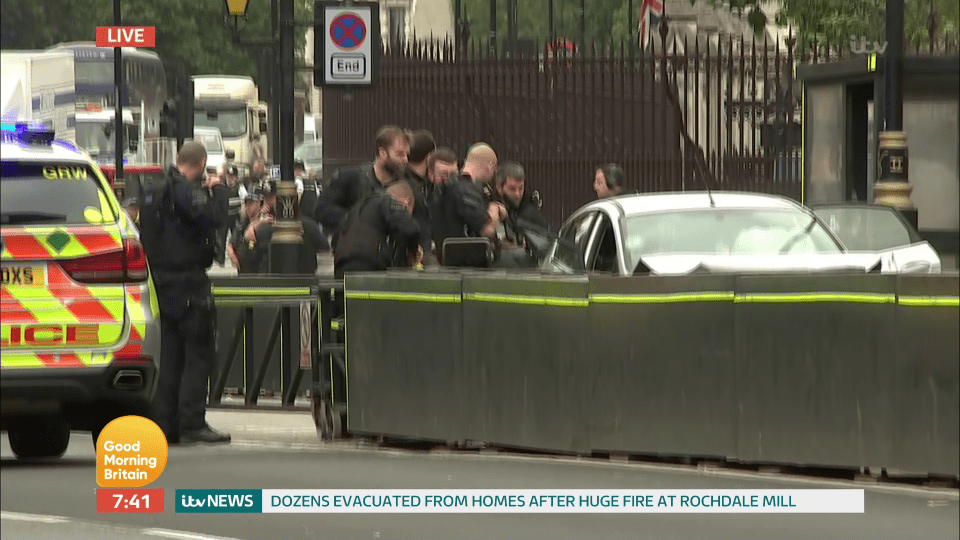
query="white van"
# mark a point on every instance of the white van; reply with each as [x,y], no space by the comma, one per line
[211,139]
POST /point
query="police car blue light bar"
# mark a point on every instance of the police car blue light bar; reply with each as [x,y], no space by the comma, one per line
[27,132]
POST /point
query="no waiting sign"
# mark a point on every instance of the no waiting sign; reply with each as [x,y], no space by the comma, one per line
[346,43]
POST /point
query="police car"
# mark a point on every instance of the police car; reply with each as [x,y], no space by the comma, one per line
[79,332]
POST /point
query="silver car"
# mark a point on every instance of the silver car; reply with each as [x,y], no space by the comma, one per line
[680,233]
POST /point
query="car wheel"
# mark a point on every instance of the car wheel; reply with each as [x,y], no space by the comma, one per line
[40,438]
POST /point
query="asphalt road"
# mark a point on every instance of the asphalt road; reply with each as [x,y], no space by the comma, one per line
[280,450]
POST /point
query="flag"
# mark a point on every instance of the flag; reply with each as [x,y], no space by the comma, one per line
[650,13]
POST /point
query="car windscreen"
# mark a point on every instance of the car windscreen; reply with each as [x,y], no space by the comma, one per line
[866,228]
[231,123]
[37,192]
[211,142]
[726,231]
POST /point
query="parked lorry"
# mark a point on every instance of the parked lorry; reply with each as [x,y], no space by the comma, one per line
[232,105]
[39,85]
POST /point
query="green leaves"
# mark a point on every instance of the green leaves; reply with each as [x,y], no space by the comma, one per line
[834,21]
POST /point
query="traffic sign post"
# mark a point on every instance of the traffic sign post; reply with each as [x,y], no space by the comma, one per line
[347,44]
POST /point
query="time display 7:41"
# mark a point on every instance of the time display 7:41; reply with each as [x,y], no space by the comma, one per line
[126,501]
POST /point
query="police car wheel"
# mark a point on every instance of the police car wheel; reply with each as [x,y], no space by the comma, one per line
[40,438]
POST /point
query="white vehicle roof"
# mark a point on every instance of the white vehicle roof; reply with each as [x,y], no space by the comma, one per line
[644,203]
[55,152]
[224,87]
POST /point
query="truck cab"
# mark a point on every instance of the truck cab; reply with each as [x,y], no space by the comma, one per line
[232,105]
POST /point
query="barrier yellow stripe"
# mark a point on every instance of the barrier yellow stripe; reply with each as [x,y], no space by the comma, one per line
[410,296]
[929,300]
[872,298]
[693,296]
[265,291]
[526,299]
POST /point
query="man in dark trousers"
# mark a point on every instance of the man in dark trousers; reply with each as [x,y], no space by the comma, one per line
[421,146]
[347,186]
[379,233]
[461,210]
[179,223]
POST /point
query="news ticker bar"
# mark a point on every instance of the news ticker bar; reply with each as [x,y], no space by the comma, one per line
[488,501]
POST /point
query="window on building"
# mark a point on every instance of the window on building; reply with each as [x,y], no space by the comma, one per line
[398,24]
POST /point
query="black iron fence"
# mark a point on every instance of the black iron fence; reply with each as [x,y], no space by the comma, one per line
[685,112]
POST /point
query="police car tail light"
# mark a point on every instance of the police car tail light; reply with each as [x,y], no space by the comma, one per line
[135,260]
[122,266]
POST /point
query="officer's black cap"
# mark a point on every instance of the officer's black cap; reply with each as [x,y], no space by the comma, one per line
[298,164]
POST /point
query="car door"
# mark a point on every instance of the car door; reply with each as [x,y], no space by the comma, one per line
[568,253]
[602,251]
[881,230]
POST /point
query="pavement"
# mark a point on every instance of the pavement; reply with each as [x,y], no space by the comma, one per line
[280,449]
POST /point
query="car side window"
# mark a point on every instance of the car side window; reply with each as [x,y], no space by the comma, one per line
[605,251]
[576,232]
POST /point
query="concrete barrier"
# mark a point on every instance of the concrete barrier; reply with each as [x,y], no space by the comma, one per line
[824,370]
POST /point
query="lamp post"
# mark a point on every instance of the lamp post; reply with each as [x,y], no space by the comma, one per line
[118,105]
[893,186]
[286,240]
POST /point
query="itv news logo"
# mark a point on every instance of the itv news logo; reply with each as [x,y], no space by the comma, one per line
[224,501]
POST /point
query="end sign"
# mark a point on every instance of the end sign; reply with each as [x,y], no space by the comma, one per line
[126,36]
[346,43]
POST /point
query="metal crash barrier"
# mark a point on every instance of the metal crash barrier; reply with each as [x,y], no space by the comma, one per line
[813,370]
[272,331]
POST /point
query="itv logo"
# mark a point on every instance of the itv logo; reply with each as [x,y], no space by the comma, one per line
[219,501]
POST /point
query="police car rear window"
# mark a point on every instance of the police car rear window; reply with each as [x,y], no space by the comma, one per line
[32,193]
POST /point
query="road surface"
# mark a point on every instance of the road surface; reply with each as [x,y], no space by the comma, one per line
[280,450]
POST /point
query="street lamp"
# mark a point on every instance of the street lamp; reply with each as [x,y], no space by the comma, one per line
[286,240]
[893,185]
[236,9]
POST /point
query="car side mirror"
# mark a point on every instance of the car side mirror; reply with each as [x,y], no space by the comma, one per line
[230,154]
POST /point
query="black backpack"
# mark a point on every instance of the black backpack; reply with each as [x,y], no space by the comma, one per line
[156,208]
[358,240]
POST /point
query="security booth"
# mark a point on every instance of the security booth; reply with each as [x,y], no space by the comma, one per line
[843,113]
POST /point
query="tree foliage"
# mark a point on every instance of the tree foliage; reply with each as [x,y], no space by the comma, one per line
[606,21]
[188,32]
[835,21]
[609,21]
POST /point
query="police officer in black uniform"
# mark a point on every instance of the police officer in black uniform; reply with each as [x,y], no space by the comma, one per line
[461,209]
[307,189]
[240,249]
[349,185]
[421,146]
[179,224]
[234,199]
[379,232]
